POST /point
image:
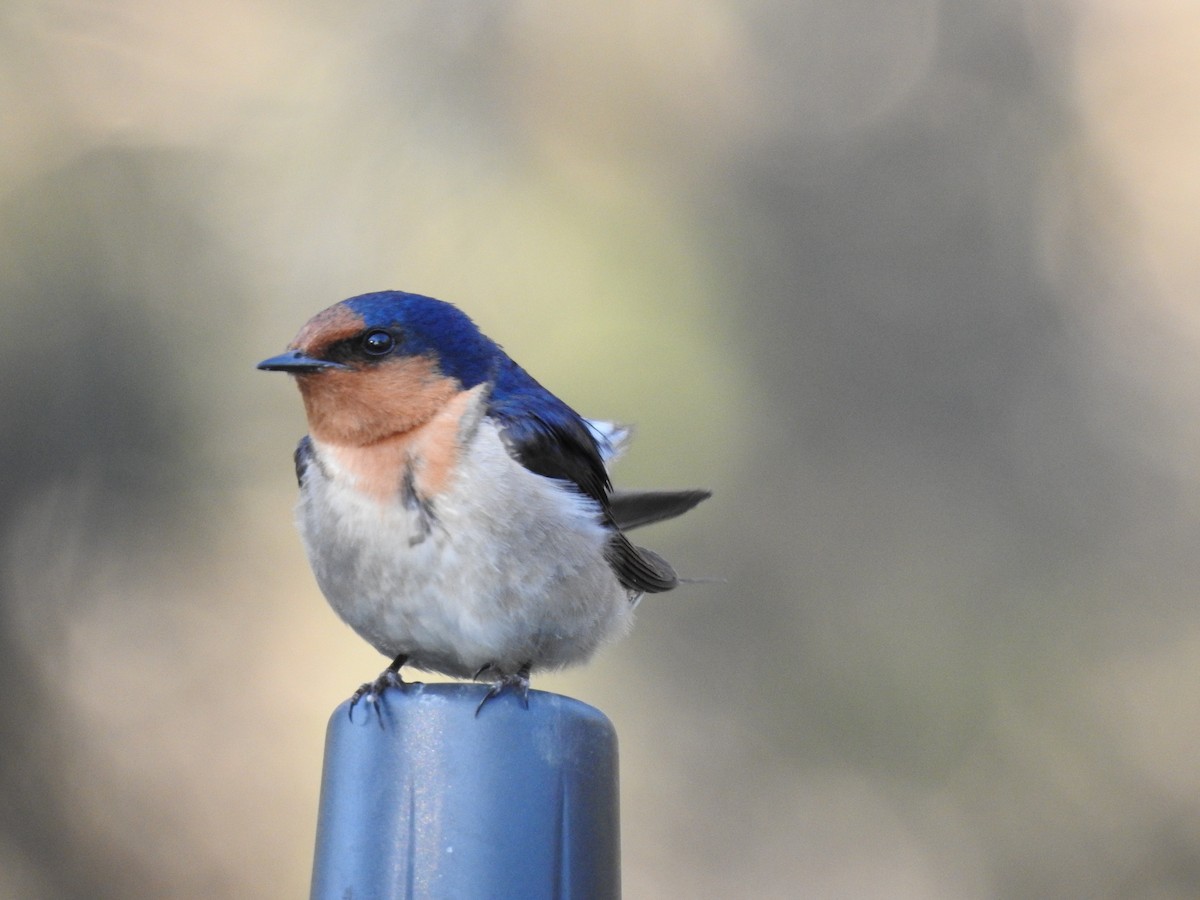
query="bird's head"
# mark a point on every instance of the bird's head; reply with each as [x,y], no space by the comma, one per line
[382,364]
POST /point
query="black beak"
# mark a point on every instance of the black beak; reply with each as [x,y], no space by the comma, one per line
[297,363]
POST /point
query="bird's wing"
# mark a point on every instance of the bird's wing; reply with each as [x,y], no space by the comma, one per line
[550,439]
[562,449]
[303,457]
[544,434]
[639,569]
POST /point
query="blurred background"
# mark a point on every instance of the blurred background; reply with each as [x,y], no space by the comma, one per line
[911,285]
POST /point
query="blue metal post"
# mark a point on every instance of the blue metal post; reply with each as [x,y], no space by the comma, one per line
[427,800]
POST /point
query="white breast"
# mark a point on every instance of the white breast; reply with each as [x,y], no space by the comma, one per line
[505,567]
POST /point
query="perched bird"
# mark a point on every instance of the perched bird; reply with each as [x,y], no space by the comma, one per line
[458,515]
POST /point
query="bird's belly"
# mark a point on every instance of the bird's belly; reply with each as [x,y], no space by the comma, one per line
[502,569]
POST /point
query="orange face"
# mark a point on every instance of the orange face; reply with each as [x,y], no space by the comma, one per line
[359,406]
[382,420]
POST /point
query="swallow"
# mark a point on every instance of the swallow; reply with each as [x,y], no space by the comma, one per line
[456,514]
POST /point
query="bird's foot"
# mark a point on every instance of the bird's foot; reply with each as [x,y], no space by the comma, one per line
[517,681]
[373,690]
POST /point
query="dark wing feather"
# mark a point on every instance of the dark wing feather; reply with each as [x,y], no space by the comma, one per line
[639,569]
[544,434]
[303,457]
[550,439]
[564,449]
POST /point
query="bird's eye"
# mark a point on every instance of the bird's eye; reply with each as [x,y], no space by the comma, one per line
[378,343]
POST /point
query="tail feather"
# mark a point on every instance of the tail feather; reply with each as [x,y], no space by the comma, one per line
[633,509]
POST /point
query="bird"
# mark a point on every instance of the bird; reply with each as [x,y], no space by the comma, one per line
[457,515]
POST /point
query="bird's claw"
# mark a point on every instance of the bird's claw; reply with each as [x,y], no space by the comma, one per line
[373,690]
[517,681]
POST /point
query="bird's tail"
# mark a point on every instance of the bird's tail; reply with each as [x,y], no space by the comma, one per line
[633,509]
